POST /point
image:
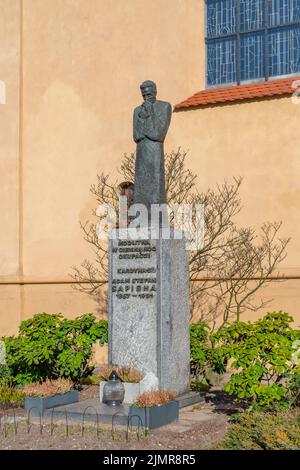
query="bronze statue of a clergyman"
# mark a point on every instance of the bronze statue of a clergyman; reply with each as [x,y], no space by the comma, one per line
[151,121]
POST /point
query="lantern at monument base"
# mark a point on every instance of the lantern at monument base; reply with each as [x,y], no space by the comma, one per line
[114,390]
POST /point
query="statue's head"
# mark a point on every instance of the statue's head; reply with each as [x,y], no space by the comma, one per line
[149,90]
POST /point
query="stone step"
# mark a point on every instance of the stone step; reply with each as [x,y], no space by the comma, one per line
[190,398]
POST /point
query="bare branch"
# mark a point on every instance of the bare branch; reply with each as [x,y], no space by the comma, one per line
[234,263]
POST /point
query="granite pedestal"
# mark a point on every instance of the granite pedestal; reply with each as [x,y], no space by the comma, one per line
[149,307]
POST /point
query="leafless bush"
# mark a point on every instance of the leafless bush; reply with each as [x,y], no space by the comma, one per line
[154,398]
[226,273]
[47,388]
[125,373]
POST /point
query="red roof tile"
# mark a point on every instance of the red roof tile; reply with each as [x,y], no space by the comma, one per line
[238,93]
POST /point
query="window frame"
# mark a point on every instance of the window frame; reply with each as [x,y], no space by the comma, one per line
[266,29]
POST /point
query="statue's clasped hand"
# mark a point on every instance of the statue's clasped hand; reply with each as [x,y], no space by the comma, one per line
[146,109]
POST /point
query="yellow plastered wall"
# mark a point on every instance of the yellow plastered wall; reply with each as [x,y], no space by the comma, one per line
[72,70]
[83,62]
[10,264]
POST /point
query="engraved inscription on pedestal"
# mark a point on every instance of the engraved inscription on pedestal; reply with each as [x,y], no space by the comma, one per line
[134,282]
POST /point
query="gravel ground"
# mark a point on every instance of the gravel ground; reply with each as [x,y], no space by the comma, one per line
[201,436]
[198,427]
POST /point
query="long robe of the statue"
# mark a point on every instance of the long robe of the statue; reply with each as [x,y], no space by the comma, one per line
[149,134]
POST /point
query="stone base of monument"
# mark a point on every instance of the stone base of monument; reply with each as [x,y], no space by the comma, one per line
[90,410]
[190,398]
[149,306]
[94,411]
[132,391]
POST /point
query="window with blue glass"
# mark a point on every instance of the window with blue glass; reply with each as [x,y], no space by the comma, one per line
[251,40]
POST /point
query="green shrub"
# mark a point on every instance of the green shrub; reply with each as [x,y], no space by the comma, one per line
[262,356]
[264,431]
[200,347]
[50,346]
[294,389]
[5,375]
[90,380]
[199,386]
[10,397]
